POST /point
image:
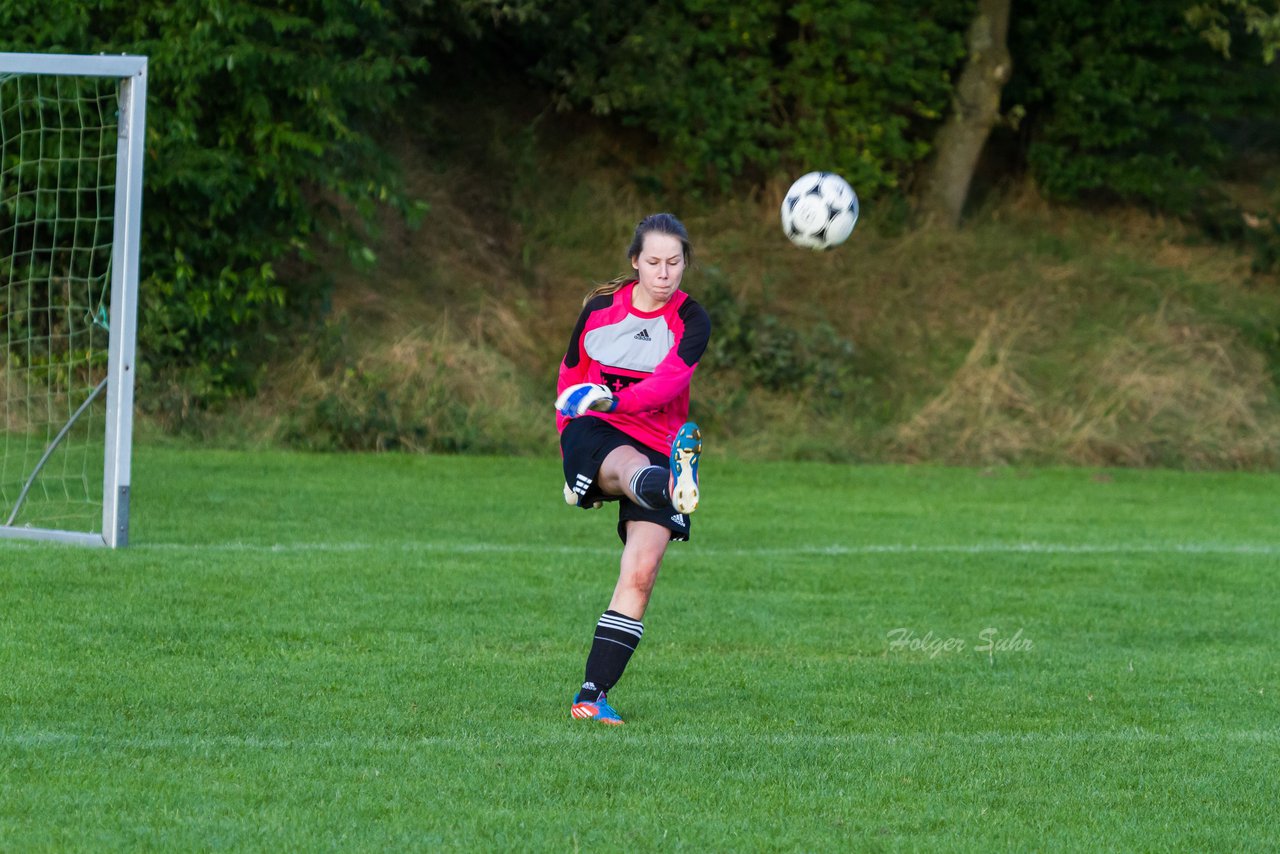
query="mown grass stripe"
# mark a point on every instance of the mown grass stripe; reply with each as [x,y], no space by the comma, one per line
[573,734]
[713,551]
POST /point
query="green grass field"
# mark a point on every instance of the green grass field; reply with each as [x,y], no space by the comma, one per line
[378,653]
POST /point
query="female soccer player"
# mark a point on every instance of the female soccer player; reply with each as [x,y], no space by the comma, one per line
[622,414]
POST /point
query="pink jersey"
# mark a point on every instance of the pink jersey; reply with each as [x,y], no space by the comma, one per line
[646,357]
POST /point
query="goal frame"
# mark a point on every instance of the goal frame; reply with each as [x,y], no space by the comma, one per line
[131,72]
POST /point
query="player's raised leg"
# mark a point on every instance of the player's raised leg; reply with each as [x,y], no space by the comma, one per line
[628,472]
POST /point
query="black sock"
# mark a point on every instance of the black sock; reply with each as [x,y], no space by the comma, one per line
[649,485]
[617,636]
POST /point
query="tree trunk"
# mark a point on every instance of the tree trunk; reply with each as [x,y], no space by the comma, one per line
[975,108]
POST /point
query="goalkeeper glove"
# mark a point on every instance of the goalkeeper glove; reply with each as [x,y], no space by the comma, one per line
[577,399]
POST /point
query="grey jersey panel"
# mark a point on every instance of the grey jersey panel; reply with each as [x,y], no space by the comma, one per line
[633,343]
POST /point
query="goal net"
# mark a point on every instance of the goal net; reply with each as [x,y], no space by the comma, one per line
[71,145]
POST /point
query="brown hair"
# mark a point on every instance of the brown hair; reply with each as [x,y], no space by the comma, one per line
[660,223]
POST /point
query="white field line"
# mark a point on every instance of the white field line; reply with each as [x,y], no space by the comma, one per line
[832,550]
[572,735]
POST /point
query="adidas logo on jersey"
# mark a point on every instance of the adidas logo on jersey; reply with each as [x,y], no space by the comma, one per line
[642,335]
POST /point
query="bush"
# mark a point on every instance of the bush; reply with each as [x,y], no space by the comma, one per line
[422,392]
[1128,103]
[732,90]
[764,352]
[262,137]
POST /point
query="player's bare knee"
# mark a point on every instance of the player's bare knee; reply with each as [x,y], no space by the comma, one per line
[641,578]
[642,564]
[618,468]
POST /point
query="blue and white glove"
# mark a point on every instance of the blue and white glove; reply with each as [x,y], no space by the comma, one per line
[577,399]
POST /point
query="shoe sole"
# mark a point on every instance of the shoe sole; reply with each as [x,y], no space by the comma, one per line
[684,461]
[587,712]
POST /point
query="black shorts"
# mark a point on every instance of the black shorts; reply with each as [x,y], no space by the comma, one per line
[586,441]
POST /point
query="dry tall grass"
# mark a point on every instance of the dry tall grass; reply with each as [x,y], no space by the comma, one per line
[987,411]
[1155,392]
[1033,335]
[426,390]
[1166,392]
[14,415]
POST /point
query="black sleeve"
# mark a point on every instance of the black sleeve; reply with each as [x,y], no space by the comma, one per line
[575,340]
[697,332]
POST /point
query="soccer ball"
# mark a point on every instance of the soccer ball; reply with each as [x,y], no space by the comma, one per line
[819,211]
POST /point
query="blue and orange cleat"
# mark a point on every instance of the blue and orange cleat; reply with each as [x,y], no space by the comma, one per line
[685,451]
[595,710]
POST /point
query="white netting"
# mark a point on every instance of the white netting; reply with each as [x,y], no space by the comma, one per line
[58,138]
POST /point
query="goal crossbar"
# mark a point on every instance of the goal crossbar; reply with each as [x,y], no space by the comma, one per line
[101,65]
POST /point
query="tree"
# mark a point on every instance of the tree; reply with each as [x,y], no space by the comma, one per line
[735,90]
[1128,104]
[1123,103]
[975,109]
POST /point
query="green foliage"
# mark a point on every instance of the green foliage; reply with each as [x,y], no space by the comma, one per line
[56,255]
[1127,103]
[269,124]
[1217,19]
[867,84]
[1221,218]
[766,352]
[261,138]
[731,89]
[1264,239]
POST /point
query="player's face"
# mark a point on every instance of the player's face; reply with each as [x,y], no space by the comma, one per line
[660,266]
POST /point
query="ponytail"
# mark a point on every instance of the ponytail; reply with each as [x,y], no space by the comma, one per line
[610,287]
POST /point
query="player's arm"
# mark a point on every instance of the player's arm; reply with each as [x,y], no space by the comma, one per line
[575,396]
[573,368]
[674,373]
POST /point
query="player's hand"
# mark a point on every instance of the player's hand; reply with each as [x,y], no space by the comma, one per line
[577,399]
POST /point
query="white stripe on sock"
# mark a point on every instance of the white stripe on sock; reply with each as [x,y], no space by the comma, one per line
[622,624]
[623,620]
[635,488]
[618,642]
